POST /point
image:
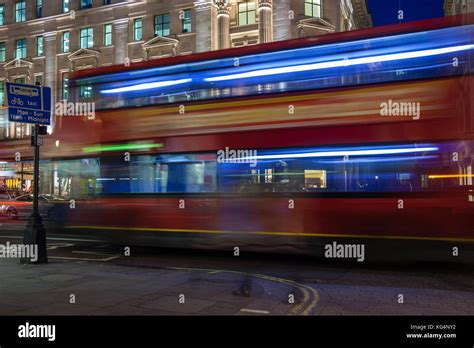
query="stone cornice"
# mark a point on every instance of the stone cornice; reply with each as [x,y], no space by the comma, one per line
[316,23]
[449,7]
[160,41]
[50,36]
[121,23]
[362,16]
[265,5]
[17,63]
[204,5]
[223,8]
[83,53]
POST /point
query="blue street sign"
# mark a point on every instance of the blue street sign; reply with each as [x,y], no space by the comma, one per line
[29,104]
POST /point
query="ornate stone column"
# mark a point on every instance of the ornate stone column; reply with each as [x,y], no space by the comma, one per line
[265,21]
[120,40]
[223,24]
[206,38]
[282,17]
[50,64]
[50,78]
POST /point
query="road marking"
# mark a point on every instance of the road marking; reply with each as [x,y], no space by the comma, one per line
[248,310]
[54,238]
[58,245]
[309,293]
[94,253]
[295,234]
[82,258]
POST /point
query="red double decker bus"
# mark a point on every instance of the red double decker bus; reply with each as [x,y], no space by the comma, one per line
[363,135]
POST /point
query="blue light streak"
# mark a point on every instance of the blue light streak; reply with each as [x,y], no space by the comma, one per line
[342,63]
[144,86]
[420,55]
[348,153]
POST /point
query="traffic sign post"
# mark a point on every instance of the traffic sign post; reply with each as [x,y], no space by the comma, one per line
[32,104]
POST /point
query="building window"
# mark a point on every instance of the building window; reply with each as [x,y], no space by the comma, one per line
[65,42]
[108,34]
[20,11]
[65,6]
[85,92]
[2,52]
[39,46]
[87,38]
[107,2]
[137,29]
[20,80]
[20,51]
[39,80]
[2,14]
[312,8]
[39,8]
[65,86]
[247,13]
[2,93]
[186,21]
[86,4]
[162,25]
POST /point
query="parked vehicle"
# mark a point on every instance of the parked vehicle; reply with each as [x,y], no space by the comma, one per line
[22,206]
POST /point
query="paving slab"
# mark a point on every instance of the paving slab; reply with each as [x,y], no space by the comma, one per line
[101,289]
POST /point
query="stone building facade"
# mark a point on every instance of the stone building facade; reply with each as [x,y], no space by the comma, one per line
[44,40]
[456,7]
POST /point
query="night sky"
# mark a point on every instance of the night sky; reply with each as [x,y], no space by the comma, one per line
[386,11]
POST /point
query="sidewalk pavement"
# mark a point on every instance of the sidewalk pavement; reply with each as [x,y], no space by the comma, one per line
[79,288]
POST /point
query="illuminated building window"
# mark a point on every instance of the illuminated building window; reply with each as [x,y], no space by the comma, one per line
[186,21]
[65,42]
[85,92]
[2,52]
[65,86]
[2,92]
[85,4]
[137,29]
[38,79]
[108,34]
[65,6]
[315,179]
[268,175]
[39,46]
[2,14]
[162,25]
[20,11]
[39,8]
[87,38]
[247,13]
[312,8]
[20,51]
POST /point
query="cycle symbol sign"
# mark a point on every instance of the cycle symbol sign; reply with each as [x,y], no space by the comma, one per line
[17,101]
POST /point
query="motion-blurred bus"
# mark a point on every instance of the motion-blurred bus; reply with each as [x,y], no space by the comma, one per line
[360,136]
